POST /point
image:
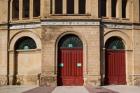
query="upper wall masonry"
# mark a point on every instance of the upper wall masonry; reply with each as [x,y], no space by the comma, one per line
[3,11]
[30,10]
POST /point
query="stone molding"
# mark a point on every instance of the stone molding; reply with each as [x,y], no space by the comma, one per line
[75,23]
[55,23]
[120,26]
[70,23]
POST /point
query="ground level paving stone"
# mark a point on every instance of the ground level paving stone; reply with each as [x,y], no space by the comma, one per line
[70,89]
[123,88]
[15,89]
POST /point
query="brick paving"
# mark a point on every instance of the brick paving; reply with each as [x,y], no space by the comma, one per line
[71,89]
[124,88]
[98,89]
[42,89]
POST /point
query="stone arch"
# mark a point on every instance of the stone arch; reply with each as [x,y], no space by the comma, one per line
[71,32]
[126,39]
[115,43]
[18,56]
[25,42]
[84,50]
[128,47]
[30,34]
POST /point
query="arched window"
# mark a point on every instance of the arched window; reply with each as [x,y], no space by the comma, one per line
[15,9]
[25,43]
[82,4]
[114,4]
[103,8]
[124,3]
[26,5]
[115,43]
[36,8]
[70,6]
[70,41]
[58,6]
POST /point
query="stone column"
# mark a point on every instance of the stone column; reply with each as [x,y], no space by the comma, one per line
[135,11]
[64,6]
[11,66]
[119,9]
[31,9]
[88,7]
[76,6]
[11,11]
[20,9]
[49,6]
[108,8]
[53,6]
[128,9]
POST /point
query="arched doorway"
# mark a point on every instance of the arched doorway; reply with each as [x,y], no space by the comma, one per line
[115,71]
[22,57]
[70,61]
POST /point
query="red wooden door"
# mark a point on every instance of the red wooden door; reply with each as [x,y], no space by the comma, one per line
[70,66]
[115,67]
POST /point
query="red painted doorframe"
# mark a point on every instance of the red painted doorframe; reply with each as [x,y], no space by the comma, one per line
[115,67]
[70,66]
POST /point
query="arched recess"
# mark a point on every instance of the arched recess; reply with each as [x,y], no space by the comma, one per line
[115,64]
[84,50]
[25,55]
[126,39]
[70,61]
[21,50]
[128,49]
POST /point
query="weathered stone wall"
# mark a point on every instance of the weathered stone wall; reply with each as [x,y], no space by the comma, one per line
[47,38]
[90,37]
[4,11]
[136,64]
[3,56]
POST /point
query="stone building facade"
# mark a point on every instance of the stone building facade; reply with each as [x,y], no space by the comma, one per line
[38,39]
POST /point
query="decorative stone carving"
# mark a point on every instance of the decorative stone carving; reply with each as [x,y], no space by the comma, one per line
[118,26]
[47,80]
[137,80]
[70,22]
[24,26]
[19,80]
[130,81]
[55,23]
[3,80]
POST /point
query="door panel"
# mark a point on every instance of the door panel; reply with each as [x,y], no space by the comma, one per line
[115,67]
[71,72]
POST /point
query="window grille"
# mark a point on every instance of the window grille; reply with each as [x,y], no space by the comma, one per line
[25,43]
[70,41]
[115,43]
